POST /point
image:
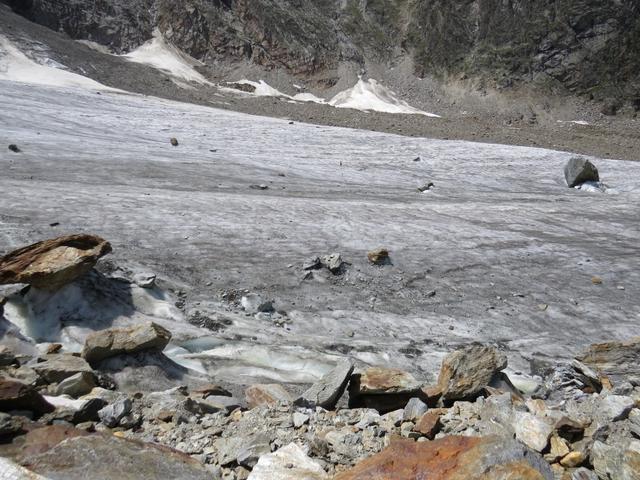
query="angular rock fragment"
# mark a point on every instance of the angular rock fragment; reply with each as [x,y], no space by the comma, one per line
[266,394]
[452,458]
[51,264]
[112,414]
[414,409]
[379,256]
[15,395]
[580,170]
[429,424]
[327,391]
[465,372]
[333,263]
[617,361]
[531,430]
[287,463]
[384,389]
[58,367]
[77,385]
[116,341]
[252,450]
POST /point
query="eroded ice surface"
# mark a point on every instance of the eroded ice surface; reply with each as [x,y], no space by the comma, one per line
[507,248]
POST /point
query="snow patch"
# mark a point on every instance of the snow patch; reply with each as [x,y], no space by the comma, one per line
[160,54]
[15,66]
[370,95]
[575,122]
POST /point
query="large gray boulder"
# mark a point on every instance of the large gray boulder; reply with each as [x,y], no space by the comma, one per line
[116,341]
[579,170]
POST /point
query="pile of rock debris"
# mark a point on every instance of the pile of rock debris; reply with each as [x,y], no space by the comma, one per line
[64,416]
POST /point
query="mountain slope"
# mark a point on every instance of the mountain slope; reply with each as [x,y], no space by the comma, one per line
[588,47]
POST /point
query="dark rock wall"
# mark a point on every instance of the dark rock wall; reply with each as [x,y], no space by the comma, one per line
[589,47]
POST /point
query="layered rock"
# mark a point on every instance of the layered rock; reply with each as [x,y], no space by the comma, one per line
[51,264]
[384,389]
[465,372]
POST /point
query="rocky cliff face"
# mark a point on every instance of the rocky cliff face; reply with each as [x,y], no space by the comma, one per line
[587,47]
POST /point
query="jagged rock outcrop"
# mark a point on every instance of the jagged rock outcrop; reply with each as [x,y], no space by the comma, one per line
[587,47]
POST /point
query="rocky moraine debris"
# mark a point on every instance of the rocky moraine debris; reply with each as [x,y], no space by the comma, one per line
[63,414]
[467,424]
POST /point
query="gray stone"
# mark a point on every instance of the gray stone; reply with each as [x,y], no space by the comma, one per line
[58,367]
[288,463]
[254,303]
[465,372]
[414,410]
[116,341]
[77,385]
[326,392]
[112,414]
[333,263]
[531,430]
[579,170]
[252,450]
[312,263]
[299,419]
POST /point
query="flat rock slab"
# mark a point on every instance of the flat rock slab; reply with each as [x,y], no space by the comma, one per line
[116,341]
[105,457]
[59,367]
[51,264]
[327,391]
[452,458]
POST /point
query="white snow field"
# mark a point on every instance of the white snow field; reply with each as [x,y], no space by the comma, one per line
[500,250]
[160,54]
[368,95]
[17,67]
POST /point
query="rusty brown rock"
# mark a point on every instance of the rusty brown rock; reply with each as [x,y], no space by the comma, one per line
[615,361]
[452,458]
[384,389]
[212,389]
[466,372]
[53,263]
[429,424]
[43,439]
[15,395]
[266,394]
[379,256]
